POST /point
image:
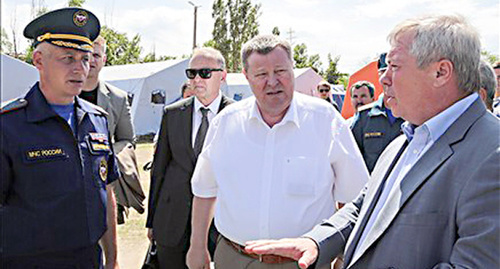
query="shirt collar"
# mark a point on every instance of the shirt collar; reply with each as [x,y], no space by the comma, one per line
[291,114]
[213,107]
[437,125]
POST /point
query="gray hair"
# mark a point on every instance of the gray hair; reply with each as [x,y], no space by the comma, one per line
[210,53]
[488,81]
[263,44]
[448,37]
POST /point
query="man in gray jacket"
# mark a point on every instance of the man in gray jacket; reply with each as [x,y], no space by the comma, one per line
[114,101]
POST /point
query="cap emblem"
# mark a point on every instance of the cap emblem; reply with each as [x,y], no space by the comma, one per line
[80,18]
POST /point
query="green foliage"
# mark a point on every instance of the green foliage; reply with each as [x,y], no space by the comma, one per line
[489,57]
[235,23]
[302,60]
[75,3]
[276,31]
[121,50]
[6,45]
[151,57]
[332,75]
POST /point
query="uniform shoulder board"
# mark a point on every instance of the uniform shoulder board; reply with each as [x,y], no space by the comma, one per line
[12,105]
[366,107]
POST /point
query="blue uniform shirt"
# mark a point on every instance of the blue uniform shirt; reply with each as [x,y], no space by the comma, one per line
[53,182]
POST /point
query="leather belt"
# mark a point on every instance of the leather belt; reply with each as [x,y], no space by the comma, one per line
[265,258]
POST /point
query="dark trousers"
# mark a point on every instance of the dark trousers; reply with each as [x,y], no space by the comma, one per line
[83,258]
[174,257]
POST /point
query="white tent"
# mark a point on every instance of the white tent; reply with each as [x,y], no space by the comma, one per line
[236,87]
[16,78]
[151,86]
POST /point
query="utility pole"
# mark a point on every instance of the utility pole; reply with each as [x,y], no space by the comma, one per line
[291,36]
[195,16]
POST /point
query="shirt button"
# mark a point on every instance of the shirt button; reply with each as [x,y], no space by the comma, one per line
[415,151]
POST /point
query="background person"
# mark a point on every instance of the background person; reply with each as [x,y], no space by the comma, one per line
[182,132]
[114,101]
[375,126]
[324,89]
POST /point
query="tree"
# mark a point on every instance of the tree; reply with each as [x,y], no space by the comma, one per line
[220,38]
[489,57]
[6,45]
[302,60]
[235,23]
[76,3]
[276,31]
[151,57]
[121,50]
[332,75]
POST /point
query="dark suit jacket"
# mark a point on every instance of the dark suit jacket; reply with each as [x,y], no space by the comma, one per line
[445,213]
[173,165]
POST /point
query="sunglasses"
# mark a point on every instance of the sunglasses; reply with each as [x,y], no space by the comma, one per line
[323,90]
[204,73]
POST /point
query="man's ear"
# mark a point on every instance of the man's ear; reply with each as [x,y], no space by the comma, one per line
[443,72]
[104,58]
[482,93]
[224,74]
[37,59]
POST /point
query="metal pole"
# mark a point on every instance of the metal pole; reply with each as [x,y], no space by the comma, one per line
[195,18]
[194,32]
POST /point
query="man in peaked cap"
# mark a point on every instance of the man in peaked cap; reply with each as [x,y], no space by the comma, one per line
[56,207]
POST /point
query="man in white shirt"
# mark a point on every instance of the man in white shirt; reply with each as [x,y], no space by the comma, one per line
[433,198]
[182,132]
[273,165]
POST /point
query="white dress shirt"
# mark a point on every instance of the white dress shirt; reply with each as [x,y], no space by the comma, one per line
[421,139]
[281,181]
[213,109]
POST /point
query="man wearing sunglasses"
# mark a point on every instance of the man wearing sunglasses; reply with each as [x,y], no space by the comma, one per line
[274,164]
[183,128]
[324,92]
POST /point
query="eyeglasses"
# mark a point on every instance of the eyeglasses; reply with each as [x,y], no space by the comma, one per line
[323,90]
[204,73]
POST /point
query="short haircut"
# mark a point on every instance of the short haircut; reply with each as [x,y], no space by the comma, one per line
[263,44]
[211,53]
[496,65]
[488,80]
[324,83]
[364,83]
[448,37]
[101,42]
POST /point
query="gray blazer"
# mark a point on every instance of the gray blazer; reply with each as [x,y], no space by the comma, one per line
[114,101]
[446,213]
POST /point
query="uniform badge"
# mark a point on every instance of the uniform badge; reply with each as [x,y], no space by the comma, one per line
[374,134]
[103,169]
[98,143]
[80,18]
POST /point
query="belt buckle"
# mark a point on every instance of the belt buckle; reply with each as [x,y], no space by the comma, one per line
[261,258]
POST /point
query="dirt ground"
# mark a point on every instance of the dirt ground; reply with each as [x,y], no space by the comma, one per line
[132,240]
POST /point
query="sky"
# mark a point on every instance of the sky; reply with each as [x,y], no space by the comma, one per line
[356,30]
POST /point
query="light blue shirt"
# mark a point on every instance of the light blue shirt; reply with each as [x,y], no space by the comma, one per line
[66,112]
[421,139]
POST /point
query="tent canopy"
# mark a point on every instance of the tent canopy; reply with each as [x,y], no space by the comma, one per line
[16,78]
[150,87]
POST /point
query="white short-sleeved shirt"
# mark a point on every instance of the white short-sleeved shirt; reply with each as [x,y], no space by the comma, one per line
[277,182]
